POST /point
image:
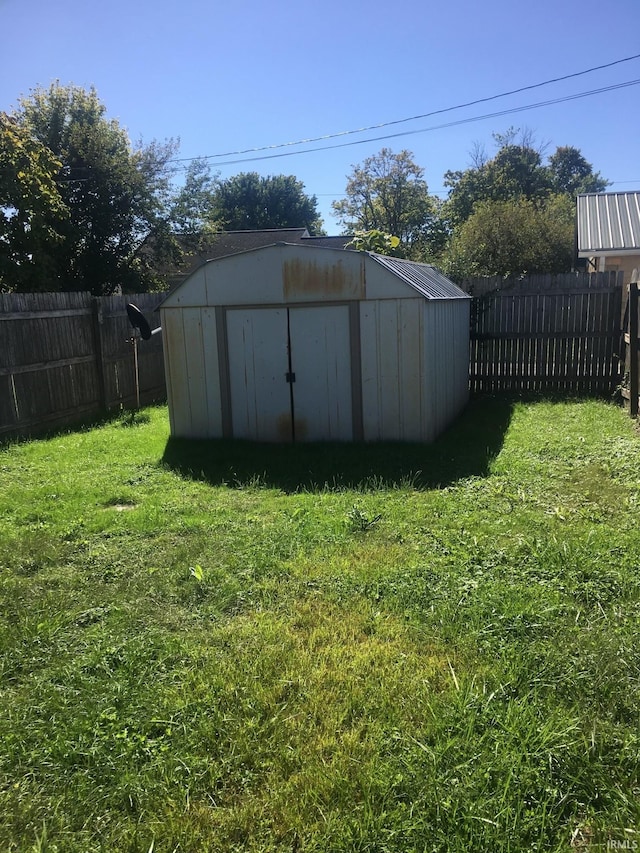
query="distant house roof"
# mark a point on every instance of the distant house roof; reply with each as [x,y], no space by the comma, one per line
[234,242]
[231,242]
[608,224]
[328,242]
[425,279]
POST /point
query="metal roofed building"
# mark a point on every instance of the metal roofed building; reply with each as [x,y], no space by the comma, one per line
[608,230]
[306,343]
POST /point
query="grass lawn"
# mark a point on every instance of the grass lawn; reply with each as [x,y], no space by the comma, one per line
[230,647]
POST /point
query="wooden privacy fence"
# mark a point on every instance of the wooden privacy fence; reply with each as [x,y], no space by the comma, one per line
[546,333]
[631,343]
[64,356]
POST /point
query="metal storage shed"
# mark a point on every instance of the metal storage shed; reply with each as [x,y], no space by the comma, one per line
[301,343]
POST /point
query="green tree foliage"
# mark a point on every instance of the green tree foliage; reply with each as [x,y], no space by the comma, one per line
[247,201]
[375,241]
[514,213]
[32,212]
[572,174]
[388,193]
[191,208]
[121,209]
[517,171]
[513,237]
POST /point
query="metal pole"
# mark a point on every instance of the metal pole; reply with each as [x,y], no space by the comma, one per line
[634,383]
[135,362]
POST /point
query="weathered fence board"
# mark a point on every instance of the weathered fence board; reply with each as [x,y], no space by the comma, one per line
[630,343]
[64,356]
[546,333]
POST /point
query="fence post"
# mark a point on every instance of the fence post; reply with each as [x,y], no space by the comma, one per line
[98,320]
[634,389]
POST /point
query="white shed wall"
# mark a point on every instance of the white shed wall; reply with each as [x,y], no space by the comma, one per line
[249,279]
[192,372]
[446,363]
[391,332]
[382,284]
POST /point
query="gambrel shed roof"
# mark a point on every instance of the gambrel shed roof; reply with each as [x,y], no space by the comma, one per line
[282,272]
[427,280]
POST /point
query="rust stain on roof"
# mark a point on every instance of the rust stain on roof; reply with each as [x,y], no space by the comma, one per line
[311,280]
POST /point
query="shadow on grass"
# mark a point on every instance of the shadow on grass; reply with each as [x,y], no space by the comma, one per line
[128,417]
[466,449]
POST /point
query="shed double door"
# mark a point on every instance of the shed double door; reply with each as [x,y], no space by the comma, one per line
[290,373]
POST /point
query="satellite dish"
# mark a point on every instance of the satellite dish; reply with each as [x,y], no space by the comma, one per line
[138,321]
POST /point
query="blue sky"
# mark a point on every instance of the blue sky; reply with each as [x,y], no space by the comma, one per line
[230,76]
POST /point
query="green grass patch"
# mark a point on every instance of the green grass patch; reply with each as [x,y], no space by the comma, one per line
[226,646]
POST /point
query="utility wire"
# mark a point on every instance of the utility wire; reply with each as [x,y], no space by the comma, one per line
[411,118]
[468,120]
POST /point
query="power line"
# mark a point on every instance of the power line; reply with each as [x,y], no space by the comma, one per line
[468,120]
[411,118]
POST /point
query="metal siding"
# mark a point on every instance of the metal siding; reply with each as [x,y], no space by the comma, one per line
[608,223]
[356,370]
[438,368]
[321,279]
[425,279]
[381,283]
[432,387]
[191,293]
[392,374]
[223,371]
[388,356]
[320,357]
[251,278]
[449,353]
[369,345]
[194,357]
[315,274]
[258,364]
[449,371]
[211,373]
[282,274]
[177,375]
[410,386]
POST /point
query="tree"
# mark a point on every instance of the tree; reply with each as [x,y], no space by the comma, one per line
[517,171]
[185,225]
[513,237]
[121,207]
[572,174]
[191,208]
[32,212]
[248,201]
[388,193]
